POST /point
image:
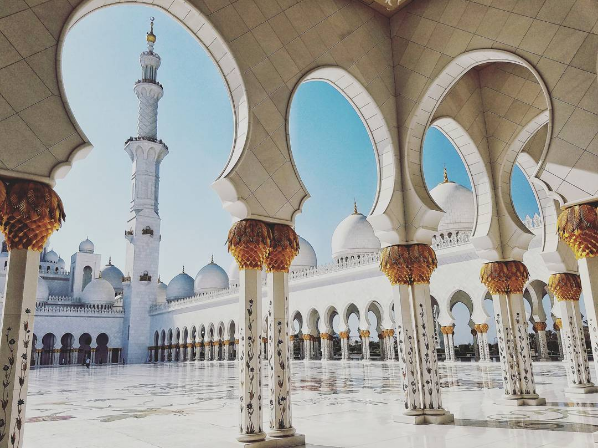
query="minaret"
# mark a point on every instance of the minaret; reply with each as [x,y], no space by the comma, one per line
[143,227]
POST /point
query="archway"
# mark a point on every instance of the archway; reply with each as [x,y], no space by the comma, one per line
[48,341]
[461,308]
[101,356]
[66,349]
[297,335]
[84,348]
[351,319]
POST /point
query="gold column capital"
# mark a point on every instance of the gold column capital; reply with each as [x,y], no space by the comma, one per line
[481,328]
[408,264]
[307,337]
[344,334]
[539,326]
[578,227]
[449,329]
[558,324]
[29,213]
[565,286]
[284,247]
[504,277]
[249,243]
[325,336]
[364,333]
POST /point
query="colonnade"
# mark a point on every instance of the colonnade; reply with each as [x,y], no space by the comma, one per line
[62,357]
[217,350]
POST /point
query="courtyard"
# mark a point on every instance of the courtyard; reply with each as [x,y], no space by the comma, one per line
[335,404]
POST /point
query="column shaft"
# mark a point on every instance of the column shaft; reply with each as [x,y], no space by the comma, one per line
[250,367]
[578,367]
[279,356]
[588,273]
[16,341]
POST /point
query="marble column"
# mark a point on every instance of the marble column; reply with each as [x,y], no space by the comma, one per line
[344,345]
[382,344]
[476,346]
[390,344]
[281,424]
[409,268]
[577,226]
[326,341]
[30,212]
[226,350]
[365,344]
[449,345]
[567,290]
[556,326]
[482,330]
[542,344]
[307,347]
[505,280]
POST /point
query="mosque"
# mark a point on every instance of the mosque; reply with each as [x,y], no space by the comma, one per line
[508,83]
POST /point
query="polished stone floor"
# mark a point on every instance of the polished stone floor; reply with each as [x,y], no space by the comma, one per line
[335,405]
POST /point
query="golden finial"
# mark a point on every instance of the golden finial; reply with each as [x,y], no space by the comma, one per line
[183,269]
[151,37]
[110,260]
[446,179]
[355,212]
[212,259]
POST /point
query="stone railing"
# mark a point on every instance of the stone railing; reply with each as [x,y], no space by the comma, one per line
[336,266]
[198,298]
[45,309]
[63,299]
[440,242]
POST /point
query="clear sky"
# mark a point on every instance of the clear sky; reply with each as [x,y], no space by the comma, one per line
[330,146]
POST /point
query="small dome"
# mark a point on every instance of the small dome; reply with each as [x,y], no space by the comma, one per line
[210,278]
[98,291]
[161,298]
[43,292]
[114,276]
[51,257]
[457,203]
[354,236]
[61,263]
[306,258]
[86,246]
[179,287]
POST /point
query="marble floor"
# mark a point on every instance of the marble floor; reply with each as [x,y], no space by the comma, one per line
[335,405]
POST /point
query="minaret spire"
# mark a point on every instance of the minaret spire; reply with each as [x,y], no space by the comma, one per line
[355,212]
[151,37]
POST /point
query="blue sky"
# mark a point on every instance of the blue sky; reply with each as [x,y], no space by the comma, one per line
[330,146]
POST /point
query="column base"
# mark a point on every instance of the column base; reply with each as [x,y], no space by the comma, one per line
[431,417]
[279,442]
[588,388]
[279,433]
[521,400]
[252,438]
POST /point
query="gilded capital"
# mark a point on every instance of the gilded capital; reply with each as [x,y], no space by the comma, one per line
[344,334]
[284,247]
[449,329]
[249,242]
[565,286]
[364,333]
[504,277]
[539,326]
[408,264]
[325,336]
[29,213]
[481,328]
[558,324]
[578,227]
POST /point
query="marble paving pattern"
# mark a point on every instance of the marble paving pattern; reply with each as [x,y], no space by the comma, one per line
[335,404]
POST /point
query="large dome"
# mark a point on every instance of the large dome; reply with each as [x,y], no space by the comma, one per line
[51,257]
[98,291]
[179,287]
[457,203]
[354,236]
[114,276]
[86,246]
[210,278]
[43,292]
[306,258]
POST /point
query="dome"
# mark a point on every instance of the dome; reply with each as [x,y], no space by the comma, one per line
[61,263]
[114,276]
[86,246]
[306,258]
[161,298]
[179,287]
[210,278]
[457,203]
[354,236]
[51,257]
[98,291]
[43,292]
